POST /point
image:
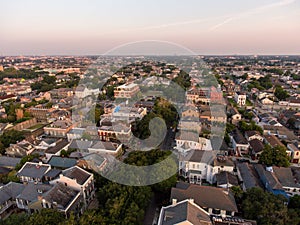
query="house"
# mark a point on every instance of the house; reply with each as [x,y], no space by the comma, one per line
[61,197]
[83,92]
[266,101]
[80,145]
[216,201]
[190,140]
[226,179]
[20,149]
[253,134]
[219,164]
[126,90]
[236,117]
[295,156]
[79,180]
[183,212]
[8,195]
[108,147]
[273,141]
[198,166]
[75,133]
[239,143]
[269,180]
[240,98]
[281,132]
[193,165]
[60,144]
[51,175]
[30,194]
[247,175]
[256,147]
[59,128]
[33,172]
[94,162]
[9,162]
[62,162]
[109,131]
[190,112]
[286,179]
[129,114]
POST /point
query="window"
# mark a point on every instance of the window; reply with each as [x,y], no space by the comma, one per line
[216,211]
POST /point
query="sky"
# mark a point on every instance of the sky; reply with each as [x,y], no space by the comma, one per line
[92,27]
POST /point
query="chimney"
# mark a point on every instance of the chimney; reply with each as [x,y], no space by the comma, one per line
[174,201]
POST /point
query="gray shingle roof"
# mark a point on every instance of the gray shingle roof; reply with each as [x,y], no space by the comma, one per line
[62,195]
[33,170]
[207,197]
[249,180]
[10,191]
[62,162]
[77,173]
[285,176]
[184,211]
[80,145]
[32,191]
[9,161]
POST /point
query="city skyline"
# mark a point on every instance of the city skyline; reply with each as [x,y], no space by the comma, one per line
[268,27]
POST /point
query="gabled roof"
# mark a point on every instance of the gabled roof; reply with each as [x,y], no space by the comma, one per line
[256,145]
[206,197]
[198,156]
[62,143]
[269,177]
[238,137]
[250,133]
[285,177]
[225,177]
[249,180]
[9,161]
[77,173]
[34,170]
[10,191]
[273,141]
[61,195]
[182,212]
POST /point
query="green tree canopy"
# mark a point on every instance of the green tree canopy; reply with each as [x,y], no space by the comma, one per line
[276,156]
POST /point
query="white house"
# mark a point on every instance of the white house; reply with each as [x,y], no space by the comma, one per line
[240,98]
[80,180]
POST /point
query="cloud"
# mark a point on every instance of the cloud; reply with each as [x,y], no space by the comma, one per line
[252,12]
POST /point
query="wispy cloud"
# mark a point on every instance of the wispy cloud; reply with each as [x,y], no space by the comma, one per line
[252,12]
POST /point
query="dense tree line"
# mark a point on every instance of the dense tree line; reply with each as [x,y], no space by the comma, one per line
[269,209]
[22,73]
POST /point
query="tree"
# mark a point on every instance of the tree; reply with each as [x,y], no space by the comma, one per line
[280,93]
[276,156]
[46,217]
[11,137]
[265,208]
[27,158]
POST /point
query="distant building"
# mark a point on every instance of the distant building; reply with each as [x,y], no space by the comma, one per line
[240,98]
[126,90]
